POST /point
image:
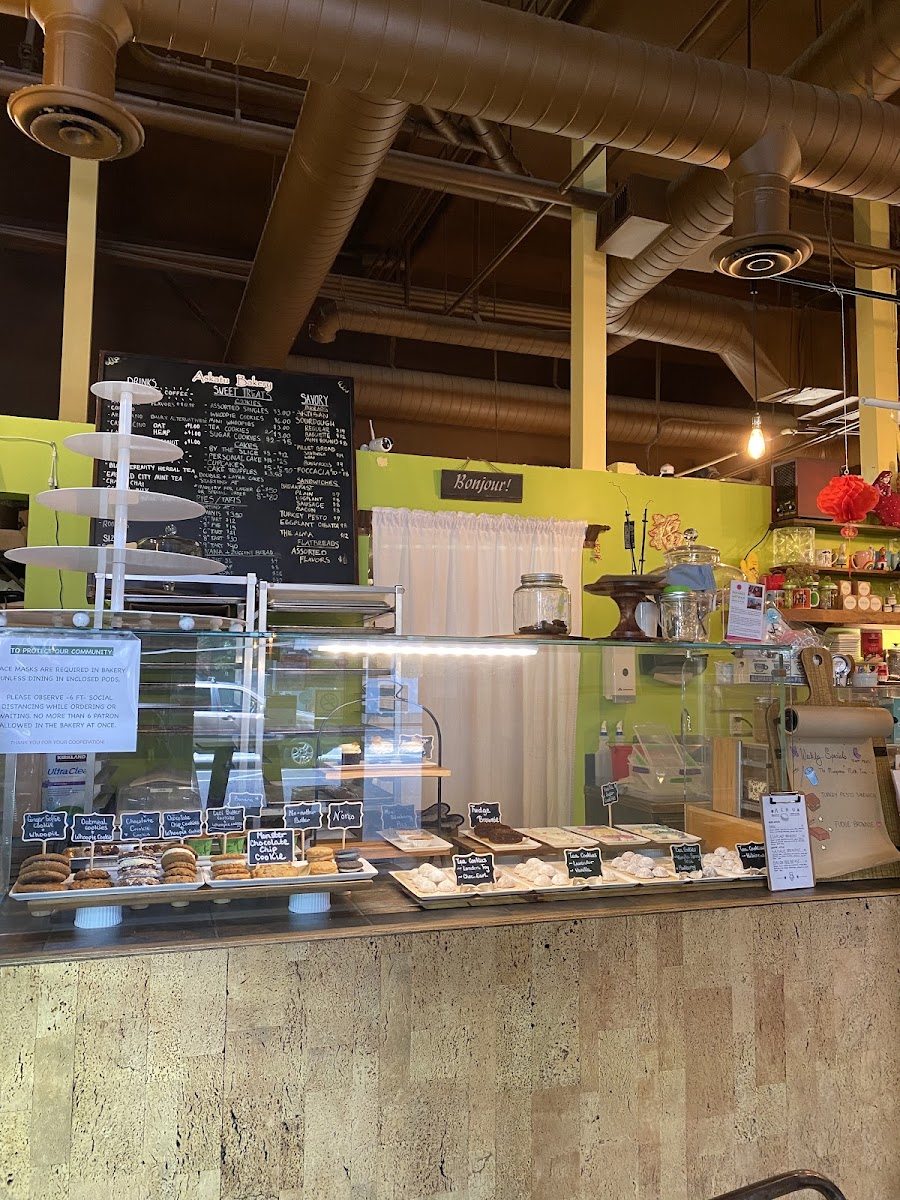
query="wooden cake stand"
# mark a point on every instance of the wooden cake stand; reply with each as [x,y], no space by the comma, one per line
[628,591]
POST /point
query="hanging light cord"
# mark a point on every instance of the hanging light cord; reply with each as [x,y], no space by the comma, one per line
[753,291]
[844,384]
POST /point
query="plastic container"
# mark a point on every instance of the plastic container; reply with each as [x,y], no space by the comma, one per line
[542,606]
[684,615]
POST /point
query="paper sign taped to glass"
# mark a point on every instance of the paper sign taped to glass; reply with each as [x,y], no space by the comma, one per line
[831,759]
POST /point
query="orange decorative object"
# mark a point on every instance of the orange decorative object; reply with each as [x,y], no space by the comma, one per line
[847,498]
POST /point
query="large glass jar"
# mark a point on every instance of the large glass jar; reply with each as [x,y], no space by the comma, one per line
[542,606]
[693,554]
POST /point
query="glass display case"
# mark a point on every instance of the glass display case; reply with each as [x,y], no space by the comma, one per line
[300,766]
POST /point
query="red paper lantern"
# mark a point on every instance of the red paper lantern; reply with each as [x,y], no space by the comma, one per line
[847,498]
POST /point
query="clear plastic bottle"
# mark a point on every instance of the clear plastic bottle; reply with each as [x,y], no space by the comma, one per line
[602,759]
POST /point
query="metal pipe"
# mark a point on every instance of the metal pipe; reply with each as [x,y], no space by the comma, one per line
[498,150]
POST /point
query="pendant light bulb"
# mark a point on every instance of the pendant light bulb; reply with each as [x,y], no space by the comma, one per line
[756,443]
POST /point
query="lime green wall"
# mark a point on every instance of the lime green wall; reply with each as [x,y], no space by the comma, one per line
[24,471]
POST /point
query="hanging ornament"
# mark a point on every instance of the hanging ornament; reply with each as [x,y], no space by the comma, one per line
[847,498]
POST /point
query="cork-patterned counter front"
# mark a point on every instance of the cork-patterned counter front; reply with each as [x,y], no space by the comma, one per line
[657,1056]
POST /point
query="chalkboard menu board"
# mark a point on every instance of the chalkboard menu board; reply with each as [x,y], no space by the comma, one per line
[268,453]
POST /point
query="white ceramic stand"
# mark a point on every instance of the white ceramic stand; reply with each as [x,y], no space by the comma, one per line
[309,902]
[104,916]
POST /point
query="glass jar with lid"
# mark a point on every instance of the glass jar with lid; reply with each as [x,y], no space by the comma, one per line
[542,605]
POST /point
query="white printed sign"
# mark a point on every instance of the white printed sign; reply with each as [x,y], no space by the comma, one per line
[68,693]
[788,852]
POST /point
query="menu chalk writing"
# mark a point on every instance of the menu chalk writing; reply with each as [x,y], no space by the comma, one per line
[345,814]
[140,826]
[182,824]
[225,820]
[270,846]
[788,853]
[686,857]
[583,863]
[609,793]
[268,453]
[399,816]
[44,826]
[303,816]
[752,855]
[472,869]
[485,814]
[93,827]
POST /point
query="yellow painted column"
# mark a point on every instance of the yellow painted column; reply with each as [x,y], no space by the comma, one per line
[78,302]
[587,437]
[876,346]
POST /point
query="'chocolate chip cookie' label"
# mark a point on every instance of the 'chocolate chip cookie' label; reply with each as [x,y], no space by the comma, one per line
[583,863]
[472,869]
[345,814]
[484,814]
[270,846]
[184,823]
[226,820]
[303,816]
[43,826]
[140,826]
[93,827]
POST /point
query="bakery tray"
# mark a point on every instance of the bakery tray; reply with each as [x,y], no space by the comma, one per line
[115,894]
[300,883]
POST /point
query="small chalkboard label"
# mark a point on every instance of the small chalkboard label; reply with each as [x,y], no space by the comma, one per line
[93,827]
[686,857]
[182,824]
[752,855]
[303,816]
[140,826]
[485,814]
[270,846]
[472,869]
[583,863]
[399,816]
[225,820]
[345,814]
[609,793]
[44,827]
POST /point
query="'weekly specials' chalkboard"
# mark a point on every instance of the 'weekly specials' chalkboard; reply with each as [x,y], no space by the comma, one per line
[268,453]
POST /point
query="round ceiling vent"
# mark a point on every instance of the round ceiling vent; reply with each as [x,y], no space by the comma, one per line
[761,255]
[77,124]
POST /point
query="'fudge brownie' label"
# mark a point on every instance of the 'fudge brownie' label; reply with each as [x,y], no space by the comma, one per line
[225,820]
[485,814]
[583,863]
[752,855]
[140,826]
[345,814]
[472,869]
[182,824]
[270,846]
[93,827]
[43,827]
[686,857]
[303,816]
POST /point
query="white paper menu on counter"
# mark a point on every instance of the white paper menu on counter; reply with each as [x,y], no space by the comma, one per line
[746,612]
[788,852]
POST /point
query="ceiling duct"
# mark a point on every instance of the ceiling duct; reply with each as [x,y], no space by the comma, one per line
[74,111]
[762,244]
[430,398]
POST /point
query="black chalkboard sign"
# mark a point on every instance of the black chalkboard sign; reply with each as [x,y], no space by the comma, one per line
[269,453]
[484,814]
[93,827]
[270,846]
[225,820]
[583,863]
[752,855]
[609,793]
[140,826]
[481,486]
[472,869]
[686,857]
[399,816]
[345,814]
[44,826]
[303,816]
[184,823]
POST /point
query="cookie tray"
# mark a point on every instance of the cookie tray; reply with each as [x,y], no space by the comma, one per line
[298,882]
[461,899]
[561,891]
[526,843]
[116,894]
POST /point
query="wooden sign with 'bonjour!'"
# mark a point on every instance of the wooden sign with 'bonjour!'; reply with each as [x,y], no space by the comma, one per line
[481,485]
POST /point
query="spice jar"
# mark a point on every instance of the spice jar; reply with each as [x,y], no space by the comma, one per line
[542,605]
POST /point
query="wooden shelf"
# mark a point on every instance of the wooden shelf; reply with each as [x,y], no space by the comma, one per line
[388,771]
[853,573]
[833,527]
[839,616]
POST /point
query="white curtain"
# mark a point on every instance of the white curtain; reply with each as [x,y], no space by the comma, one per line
[508,723]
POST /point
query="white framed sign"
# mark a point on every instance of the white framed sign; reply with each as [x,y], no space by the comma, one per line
[68,693]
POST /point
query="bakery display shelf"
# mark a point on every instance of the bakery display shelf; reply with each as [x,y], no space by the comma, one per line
[288,883]
[840,616]
[844,572]
[831,527]
[132,621]
[387,771]
[466,898]
[106,447]
[527,844]
[99,560]
[101,503]
[354,599]
[472,845]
